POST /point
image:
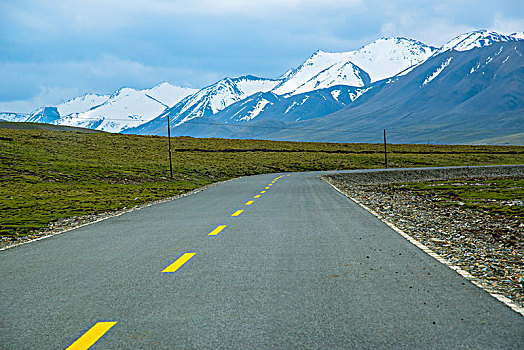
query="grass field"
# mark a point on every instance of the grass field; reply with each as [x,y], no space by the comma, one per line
[48,175]
[500,197]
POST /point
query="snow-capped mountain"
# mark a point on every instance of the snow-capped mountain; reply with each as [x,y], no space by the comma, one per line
[479,38]
[48,115]
[327,83]
[218,96]
[471,40]
[518,35]
[81,104]
[304,106]
[128,108]
[211,100]
[472,96]
[381,59]
[124,109]
[387,57]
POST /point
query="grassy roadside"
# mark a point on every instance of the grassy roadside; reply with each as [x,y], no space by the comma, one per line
[48,175]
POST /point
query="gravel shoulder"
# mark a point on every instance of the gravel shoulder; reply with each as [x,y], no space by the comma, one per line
[490,248]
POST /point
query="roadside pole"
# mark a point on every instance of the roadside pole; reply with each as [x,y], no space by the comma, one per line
[169,141]
[385,151]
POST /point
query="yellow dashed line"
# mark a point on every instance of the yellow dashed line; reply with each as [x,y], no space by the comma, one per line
[178,263]
[257,196]
[237,213]
[217,230]
[262,191]
[267,188]
[91,336]
[249,203]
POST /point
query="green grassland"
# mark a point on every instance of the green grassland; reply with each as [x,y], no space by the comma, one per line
[500,197]
[48,175]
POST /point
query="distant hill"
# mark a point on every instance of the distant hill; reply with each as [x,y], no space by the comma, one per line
[42,126]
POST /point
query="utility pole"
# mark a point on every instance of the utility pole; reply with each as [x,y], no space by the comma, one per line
[385,151]
[169,141]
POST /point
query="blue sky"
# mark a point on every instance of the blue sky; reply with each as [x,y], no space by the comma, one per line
[55,50]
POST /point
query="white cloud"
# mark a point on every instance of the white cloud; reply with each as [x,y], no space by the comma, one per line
[60,47]
[49,84]
[47,96]
[507,25]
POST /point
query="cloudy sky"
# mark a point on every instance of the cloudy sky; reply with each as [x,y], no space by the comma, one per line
[52,51]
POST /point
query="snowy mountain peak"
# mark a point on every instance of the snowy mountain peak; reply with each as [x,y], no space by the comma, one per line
[318,53]
[125,108]
[162,85]
[518,35]
[216,97]
[315,72]
[378,60]
[475,39]
[168,94]
[386,57]
[81,104]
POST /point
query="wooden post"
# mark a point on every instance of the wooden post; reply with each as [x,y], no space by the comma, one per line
[385,151]
[169,141]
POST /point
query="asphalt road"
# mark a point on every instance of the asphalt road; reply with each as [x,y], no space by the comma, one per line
[302,267]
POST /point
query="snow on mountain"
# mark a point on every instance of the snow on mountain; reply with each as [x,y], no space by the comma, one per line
[381,59]
[259,107]
[218,96]
[81,104]
[309,105]
[341,73]
[168,94]
[127,108]
[317,71]
[475,39]
[44,115]
[13,117]
[250,85]
[518,35]
[324,83]
[52,114]
[387,57]
[436,72]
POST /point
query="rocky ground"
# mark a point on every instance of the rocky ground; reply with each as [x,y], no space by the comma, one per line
[489,247]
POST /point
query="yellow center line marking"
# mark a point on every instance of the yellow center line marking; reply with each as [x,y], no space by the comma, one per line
[262,191]
[267,188]
[257,196]
[178,263]
[91,336]
[217,230]
[249,203]
[270,185]
[237,213]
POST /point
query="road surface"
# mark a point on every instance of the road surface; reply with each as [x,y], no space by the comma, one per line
[298,266]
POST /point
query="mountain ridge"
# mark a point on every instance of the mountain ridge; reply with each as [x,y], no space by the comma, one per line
[324,84]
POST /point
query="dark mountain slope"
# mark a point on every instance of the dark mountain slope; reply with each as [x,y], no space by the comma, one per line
[478,94]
